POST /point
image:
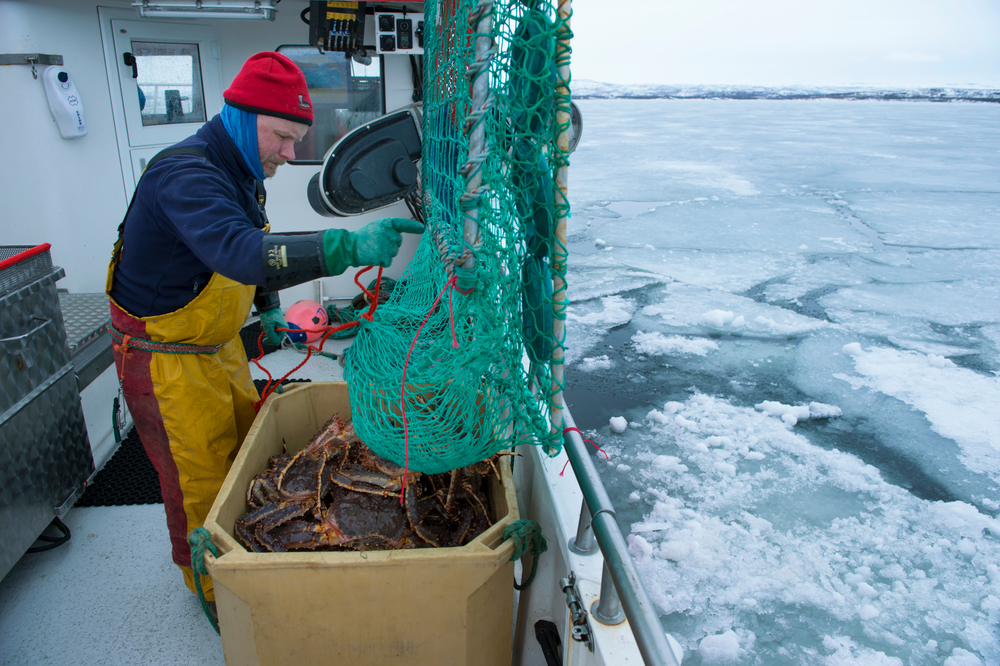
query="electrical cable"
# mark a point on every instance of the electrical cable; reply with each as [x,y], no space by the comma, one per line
[52,542]
[416,73]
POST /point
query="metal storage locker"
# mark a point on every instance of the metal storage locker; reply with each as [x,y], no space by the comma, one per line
[45,455]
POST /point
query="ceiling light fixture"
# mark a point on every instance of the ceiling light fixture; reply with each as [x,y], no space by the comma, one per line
[209,9]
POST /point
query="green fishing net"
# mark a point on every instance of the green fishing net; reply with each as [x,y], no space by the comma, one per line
[462,361]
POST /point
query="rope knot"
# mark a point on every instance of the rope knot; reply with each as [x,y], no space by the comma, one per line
[123,349]
[124,346]
[200,540]
[527,537]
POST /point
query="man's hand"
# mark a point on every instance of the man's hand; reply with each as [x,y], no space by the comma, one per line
[374,244]
[269,321]
[377,242]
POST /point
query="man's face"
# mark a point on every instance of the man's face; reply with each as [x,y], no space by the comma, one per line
[276,139]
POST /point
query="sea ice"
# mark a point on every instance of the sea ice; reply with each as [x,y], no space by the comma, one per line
[718,318]
[792,414]
[728,529]
[682,306]
[959,403]
[594,363]
[960,657]
[618,424]
[657,344]
[588,322]
[833,261]
[720,649]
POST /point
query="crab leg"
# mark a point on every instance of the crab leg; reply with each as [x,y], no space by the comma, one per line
[413,514]
[320,491]
[372,483]
[462,529]
[270,542]
[451,490]
[247,537]
[474,496]
[271,515]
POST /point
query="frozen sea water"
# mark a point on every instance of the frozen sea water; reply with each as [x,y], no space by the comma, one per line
[785,329]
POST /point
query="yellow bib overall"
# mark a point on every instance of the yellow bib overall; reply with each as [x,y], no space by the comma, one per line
[192,404]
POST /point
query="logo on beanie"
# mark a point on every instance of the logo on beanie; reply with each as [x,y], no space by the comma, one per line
[303,104]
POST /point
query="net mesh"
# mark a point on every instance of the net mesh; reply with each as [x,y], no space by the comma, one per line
[458,364]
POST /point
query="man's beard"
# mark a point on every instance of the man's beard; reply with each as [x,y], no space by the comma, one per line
[271,167]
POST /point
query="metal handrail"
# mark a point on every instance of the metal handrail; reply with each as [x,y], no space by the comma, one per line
[642,616]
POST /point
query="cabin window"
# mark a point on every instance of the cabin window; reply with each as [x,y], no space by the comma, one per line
[345,94]
[169,81]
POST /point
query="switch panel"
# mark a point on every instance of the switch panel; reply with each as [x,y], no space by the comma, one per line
[399,33]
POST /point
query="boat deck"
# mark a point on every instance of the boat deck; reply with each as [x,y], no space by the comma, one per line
[111,594]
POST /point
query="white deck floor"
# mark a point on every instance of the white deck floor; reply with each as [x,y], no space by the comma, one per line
[111,595]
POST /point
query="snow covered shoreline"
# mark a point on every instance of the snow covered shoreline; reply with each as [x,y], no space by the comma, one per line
[584,89]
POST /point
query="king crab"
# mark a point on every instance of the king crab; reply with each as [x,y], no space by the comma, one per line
[292,485]
[350,494]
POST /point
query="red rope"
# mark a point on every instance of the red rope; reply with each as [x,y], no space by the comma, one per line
[378,286]
[268,388]
[327,331]
[359,274]
[566,430]
[451,318]
[402,390]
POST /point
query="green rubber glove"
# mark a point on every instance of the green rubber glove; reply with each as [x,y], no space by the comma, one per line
[270,320]
[374,244]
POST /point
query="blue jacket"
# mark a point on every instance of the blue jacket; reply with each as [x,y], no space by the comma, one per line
[192,217]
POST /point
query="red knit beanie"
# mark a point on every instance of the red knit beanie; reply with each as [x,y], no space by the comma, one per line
[270,83]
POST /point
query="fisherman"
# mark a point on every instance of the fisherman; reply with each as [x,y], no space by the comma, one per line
[194,251]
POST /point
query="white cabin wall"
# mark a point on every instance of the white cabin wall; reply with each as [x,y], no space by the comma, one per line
[67,192]
[71,192]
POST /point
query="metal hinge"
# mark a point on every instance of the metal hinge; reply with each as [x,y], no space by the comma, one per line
[579,622]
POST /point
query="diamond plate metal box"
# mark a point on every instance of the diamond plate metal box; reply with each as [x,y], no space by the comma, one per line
[32,338]
[45,454]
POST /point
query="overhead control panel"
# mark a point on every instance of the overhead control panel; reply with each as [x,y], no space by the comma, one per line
[401,33]
[336,25]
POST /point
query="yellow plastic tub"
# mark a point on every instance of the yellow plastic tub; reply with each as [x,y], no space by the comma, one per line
[426,606]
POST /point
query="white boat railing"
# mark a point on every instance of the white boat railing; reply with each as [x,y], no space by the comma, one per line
[621,588]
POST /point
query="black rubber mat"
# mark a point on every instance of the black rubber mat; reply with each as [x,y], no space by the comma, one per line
[129,478]
[249,335]
[259,384]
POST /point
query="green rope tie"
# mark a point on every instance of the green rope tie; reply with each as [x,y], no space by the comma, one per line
[304,347]
[199,539]
[527,536]
[339,316]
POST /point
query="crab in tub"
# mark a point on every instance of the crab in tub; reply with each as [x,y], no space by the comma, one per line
[336,494]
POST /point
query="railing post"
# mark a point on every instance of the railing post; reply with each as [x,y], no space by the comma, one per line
[608,609]
[584,543]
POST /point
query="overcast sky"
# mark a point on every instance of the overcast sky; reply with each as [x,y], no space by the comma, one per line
[786,42]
